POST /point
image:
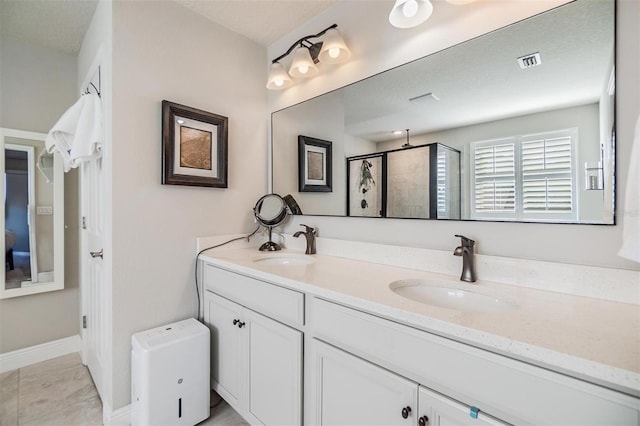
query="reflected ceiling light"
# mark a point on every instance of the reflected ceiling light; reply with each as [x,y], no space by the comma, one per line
[303,65]
[410,13]
[397,132]
[407,144]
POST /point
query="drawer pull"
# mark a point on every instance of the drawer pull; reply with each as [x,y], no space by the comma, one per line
[405,412]
[240,324]
[423,421]
[236,321]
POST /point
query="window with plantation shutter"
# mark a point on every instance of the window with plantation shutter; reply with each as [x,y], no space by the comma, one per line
[495,179]
[530,177]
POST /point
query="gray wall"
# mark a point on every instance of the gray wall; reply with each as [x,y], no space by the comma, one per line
[164,51]
[36,86]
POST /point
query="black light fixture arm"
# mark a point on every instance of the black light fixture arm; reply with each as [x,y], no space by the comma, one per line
[303,39]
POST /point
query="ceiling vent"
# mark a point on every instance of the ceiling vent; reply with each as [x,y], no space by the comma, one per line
[427,97]
[529,61]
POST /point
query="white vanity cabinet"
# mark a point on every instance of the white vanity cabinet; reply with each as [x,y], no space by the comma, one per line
[438,410]
[501,387]
[256,361]
[352,391]
[365,367]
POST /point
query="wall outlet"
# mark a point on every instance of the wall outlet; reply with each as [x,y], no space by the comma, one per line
[44,210]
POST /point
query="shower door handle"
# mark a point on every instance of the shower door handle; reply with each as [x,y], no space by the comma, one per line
[95,254]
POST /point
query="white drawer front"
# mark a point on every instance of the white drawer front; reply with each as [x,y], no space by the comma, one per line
[503,387]
[274,301]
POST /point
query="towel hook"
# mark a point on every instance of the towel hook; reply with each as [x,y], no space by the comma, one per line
[97,89]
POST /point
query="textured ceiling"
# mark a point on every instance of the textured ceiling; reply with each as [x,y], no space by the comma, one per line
[61,24]
[263,21]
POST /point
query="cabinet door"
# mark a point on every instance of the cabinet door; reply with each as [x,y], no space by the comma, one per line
[274,371]
[438,410]
[351,391]
[226,347]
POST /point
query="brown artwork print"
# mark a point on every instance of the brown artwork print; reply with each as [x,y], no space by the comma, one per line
[314,164]
[195,148]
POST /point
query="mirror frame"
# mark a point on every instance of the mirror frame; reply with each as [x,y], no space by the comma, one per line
[58,219]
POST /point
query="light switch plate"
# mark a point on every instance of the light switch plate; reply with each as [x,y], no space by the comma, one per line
[44,210]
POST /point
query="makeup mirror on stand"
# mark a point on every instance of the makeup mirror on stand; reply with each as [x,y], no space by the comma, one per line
[270,211]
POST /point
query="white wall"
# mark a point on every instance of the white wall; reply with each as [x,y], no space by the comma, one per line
[164,51]
[37,85]
[377,46]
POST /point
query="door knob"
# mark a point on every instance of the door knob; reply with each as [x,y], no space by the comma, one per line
[405,412]
[95,254]
[423,421]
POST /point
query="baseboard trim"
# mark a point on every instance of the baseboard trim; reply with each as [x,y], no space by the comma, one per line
[38,353]
[119,417]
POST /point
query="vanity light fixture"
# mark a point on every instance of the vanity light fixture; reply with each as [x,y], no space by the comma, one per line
[410,13]
[332,50]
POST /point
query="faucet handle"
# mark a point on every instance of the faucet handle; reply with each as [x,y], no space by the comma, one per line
[466,242]
[309,229]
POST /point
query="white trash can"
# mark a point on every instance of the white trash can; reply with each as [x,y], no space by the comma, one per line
[170,375]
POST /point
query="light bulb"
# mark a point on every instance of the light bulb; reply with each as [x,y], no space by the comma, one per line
[410,8]
[334,52]
[279,82]
[303,69]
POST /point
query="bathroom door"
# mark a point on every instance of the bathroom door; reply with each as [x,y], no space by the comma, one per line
[93,270]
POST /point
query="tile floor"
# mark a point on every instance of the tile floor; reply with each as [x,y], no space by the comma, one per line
[60,392]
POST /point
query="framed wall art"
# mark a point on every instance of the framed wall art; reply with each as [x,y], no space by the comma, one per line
[194,147]
[314,165]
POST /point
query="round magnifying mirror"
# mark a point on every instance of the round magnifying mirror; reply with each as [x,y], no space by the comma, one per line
[270,211]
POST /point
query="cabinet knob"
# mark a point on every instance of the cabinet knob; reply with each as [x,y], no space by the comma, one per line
[423,421]
[236,321]
[405,412]
[240,324]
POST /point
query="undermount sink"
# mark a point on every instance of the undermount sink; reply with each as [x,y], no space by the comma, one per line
[286,260]
[437,293]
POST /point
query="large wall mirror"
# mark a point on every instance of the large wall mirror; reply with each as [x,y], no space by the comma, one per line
[33,212]
[515,125]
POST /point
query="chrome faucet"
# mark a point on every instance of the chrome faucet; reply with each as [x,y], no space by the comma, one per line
[466,251]
[310,235]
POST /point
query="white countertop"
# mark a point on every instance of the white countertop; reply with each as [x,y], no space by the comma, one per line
[592,339]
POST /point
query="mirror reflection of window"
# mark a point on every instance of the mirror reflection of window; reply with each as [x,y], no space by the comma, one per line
[529,177]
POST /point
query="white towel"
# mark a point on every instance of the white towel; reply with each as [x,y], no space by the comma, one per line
[77,135]
[631,223]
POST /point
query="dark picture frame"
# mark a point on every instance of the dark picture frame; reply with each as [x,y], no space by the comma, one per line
[314,165]
[194,146]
